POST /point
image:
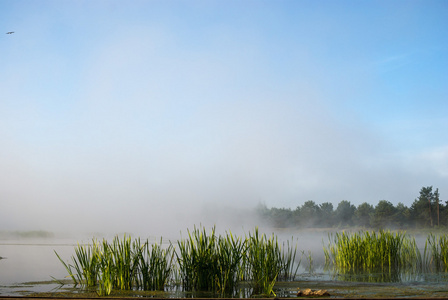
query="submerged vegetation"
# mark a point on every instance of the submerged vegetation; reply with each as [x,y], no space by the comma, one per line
[202,262]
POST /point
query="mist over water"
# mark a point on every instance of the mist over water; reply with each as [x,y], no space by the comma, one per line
[150,120]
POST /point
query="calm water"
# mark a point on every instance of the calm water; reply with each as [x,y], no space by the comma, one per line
[32,260]
[29,262]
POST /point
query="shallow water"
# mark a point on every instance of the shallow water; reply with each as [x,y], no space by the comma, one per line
[32,260]
[30,265]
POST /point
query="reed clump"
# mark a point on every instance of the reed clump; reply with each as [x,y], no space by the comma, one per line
[436,252]
[208,262]
[121,264]
[202,262]
[263,262]
[154,265]
[382,251]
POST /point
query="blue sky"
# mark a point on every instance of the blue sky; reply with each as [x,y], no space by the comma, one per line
[109,106]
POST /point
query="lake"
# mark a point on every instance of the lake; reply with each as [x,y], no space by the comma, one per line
[30,264]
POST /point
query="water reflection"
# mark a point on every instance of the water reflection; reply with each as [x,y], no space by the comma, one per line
[34,260]
[376,277]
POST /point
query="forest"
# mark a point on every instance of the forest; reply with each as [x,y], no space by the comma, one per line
[427,211]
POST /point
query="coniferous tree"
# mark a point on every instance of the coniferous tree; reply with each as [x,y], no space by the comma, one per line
[309,214]
[383,214]
[344,213]
[423,208]
[363,214]
[326,214]
[402,215]
[426,211]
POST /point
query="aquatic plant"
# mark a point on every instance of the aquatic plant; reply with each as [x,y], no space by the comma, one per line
[107,274]
[84,269]
[436,252]
[154,265]
[310,260]
[205,262]
[230,254]
[197,260]
[120,265]
[289,261]
[370,251]
[267,262]
[124,262]
[263,262]
[208,262]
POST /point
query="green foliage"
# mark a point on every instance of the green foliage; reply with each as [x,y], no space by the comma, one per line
[402,216]
[383,214]
[119,265]
[436,252]
[373,252]
[205,262]
[424,209]
[208,262]
[198,260]
[280,217]
[215,263]
[263,262]
[363,214]
[326,214]
[309,214]
[345,212]
[154,265]
[427,211]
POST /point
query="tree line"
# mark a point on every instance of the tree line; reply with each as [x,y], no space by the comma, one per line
[425,212]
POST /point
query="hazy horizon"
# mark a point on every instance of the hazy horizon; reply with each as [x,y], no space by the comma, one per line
[150,114]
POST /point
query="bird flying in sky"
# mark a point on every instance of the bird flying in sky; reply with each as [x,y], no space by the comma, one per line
[10,32]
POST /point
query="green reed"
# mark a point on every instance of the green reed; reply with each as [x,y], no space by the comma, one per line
[208,262]
[196,261]
[202,262]
[372,251]
[107,272]
[267,262]
[211,262]
[85,268]
[154,265]
[120,265]
[436,252]
[124,262]
[289,263]
[263,262]
[231,251]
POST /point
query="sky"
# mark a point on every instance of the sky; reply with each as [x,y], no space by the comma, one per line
[139,114]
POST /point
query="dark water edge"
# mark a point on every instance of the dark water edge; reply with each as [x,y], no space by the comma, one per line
[337,289]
